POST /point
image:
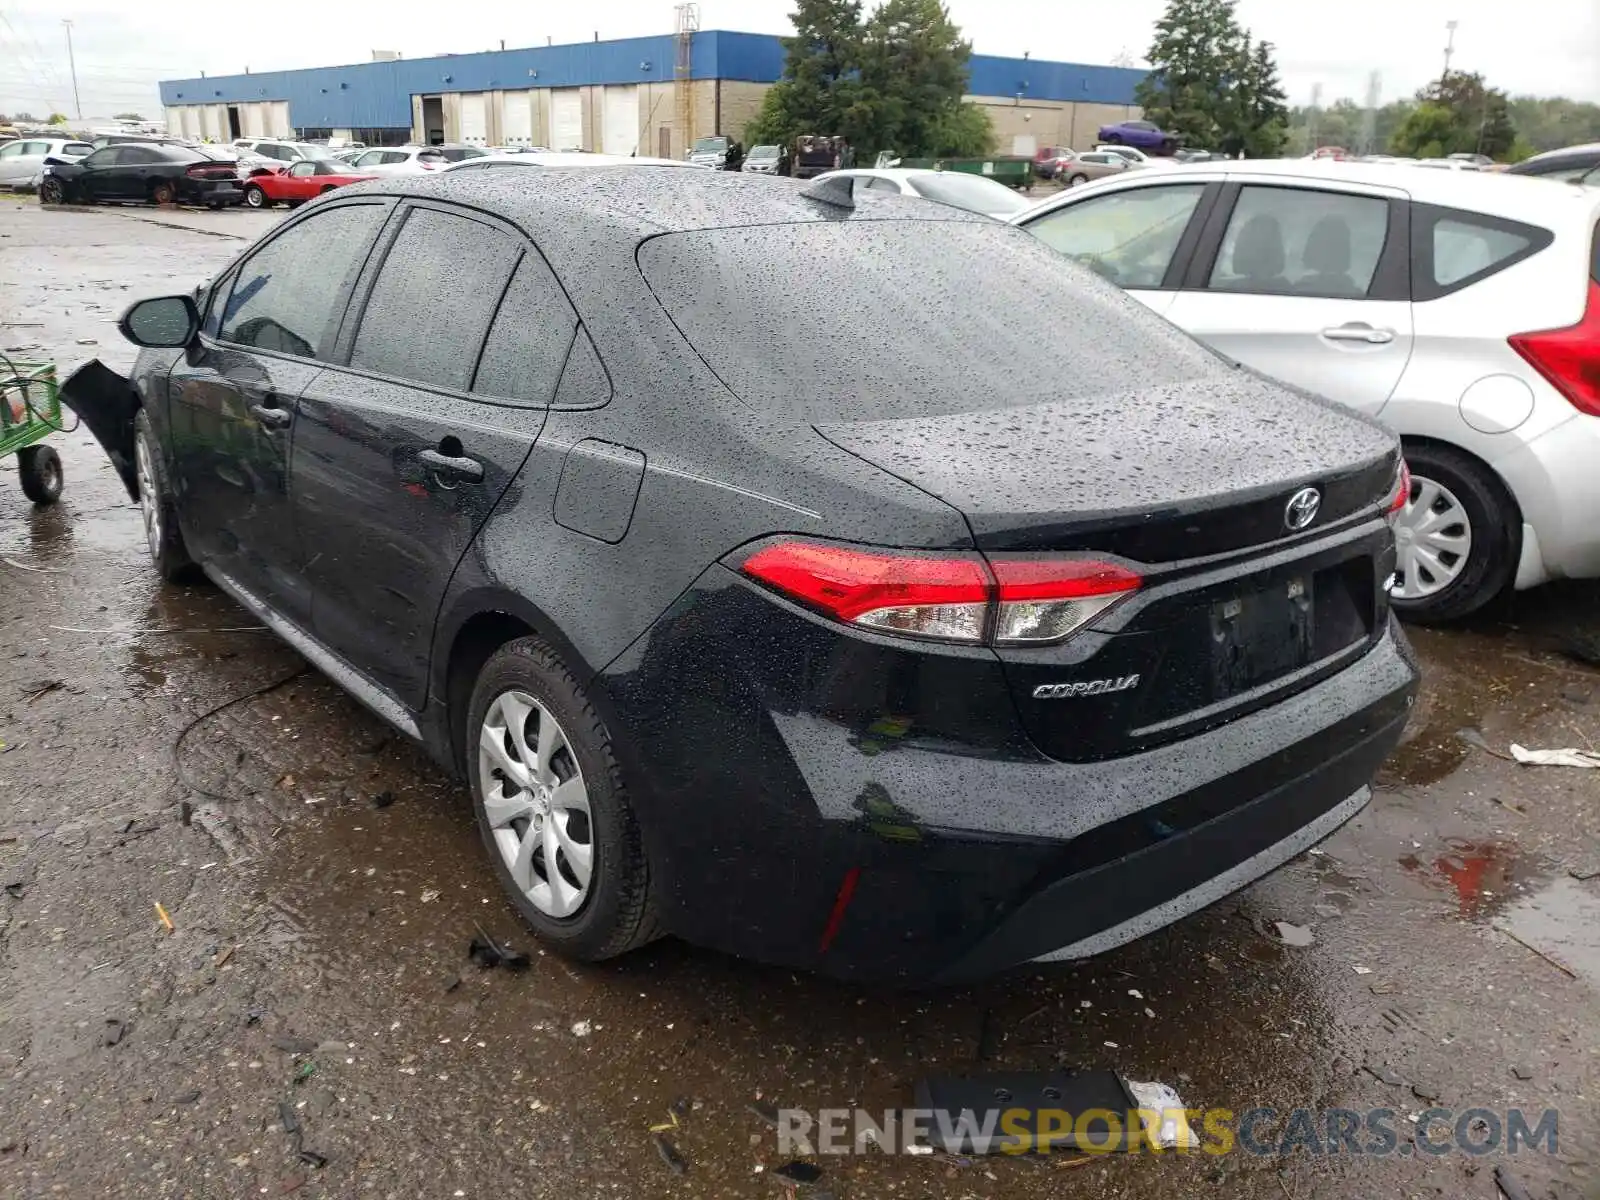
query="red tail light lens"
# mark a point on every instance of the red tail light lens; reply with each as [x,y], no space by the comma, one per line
[935,597]
[1569,358]
[1401,493]
[951,598]
[1045,600]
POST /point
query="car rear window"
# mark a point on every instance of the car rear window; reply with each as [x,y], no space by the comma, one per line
[77,148]
[872,320]
[1594,260]
[971,192]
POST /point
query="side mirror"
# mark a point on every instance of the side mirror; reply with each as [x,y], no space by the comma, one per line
[165,322]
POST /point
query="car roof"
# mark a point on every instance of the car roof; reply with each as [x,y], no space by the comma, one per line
[1585,148]
[1495,193]
[570,158]
[644,200]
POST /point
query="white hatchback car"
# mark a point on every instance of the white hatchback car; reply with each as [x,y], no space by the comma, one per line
[973,193]
[400,160]
[21,161]
[1460,308]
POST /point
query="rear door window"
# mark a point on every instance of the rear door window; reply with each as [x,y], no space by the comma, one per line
[1287,241]
[1453,249]
[289,295]
[1129,237]
[429,310]
[529,340]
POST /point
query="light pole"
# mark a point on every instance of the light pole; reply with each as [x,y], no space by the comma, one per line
[73,64]
[1450,44]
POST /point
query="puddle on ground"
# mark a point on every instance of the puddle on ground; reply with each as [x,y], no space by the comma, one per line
[1484,876]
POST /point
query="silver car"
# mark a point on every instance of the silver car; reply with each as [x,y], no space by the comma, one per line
[1461,308]
[22,161]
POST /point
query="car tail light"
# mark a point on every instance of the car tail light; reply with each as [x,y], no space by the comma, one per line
[943,597]
[949,598]
[427,165]
[1569,358]
[1046,600]
[1401,493]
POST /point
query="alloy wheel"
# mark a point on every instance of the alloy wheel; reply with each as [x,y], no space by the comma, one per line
[149,500]
[536,803]
[1433,540]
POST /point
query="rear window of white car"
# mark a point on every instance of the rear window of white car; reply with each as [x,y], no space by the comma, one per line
[1452,249]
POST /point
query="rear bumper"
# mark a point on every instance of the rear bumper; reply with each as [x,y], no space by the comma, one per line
[830,802]
[1556,486]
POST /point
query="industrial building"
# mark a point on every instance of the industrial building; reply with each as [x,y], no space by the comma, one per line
[650,95]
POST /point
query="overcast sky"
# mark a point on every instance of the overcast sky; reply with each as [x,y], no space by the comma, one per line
[1545,47]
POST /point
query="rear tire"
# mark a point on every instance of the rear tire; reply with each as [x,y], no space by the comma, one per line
[40,468]
[1077,180]
[615,912]
[164,194]
[1458,539]
[162,536]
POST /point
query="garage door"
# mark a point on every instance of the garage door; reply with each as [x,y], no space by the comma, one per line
[516,118]
[253,117]
[620,134]
[566,119]
[278,119]
[474,119]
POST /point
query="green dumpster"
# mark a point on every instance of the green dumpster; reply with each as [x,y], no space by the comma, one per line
[1013,170]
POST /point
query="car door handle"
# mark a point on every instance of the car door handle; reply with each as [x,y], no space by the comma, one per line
[270,415]
[452,466]
[1359,331]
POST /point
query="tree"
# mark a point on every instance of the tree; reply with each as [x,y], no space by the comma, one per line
[1192,59]
[1266,110]
[913,77]
[966,132]
[56,119]
[820,83]
[1429,131]
[1209,85]
[1481,114]
[128,116]
[893,82]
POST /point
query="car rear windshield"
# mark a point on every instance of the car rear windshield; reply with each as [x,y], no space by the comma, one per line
[868,320]
[971,192]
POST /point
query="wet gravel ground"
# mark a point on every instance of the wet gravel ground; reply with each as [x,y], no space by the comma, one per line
[323,891]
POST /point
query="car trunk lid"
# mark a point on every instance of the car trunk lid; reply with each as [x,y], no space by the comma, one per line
[1193,488]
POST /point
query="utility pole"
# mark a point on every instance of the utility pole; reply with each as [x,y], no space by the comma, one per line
[73,63]
[1450,44]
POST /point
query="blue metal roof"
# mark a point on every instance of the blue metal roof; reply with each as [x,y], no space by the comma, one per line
[378,94]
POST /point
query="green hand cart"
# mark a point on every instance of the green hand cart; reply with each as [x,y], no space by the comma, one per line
[30,410]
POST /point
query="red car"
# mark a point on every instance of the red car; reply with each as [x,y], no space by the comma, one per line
[299,182]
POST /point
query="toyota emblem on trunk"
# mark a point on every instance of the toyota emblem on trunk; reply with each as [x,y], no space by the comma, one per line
[1302,508]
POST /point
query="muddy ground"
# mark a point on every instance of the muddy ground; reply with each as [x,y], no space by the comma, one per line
[324,891]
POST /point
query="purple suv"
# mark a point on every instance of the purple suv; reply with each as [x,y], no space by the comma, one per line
[1143,135]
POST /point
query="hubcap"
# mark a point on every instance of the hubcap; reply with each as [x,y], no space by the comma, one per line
[1433,541]
[149,501]
[536,803]
[254,196]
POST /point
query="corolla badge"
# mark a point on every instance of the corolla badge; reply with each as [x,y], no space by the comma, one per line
[1087,687]
[1302,509]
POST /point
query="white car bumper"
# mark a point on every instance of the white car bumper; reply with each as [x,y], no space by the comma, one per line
[1557,485]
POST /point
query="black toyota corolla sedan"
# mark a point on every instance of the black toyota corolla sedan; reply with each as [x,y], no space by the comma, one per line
[848,583]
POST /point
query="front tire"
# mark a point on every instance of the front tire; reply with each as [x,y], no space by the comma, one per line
[1457,540]
[162,536]
[551,806]
[51,192]
[40,468]
[256,197]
